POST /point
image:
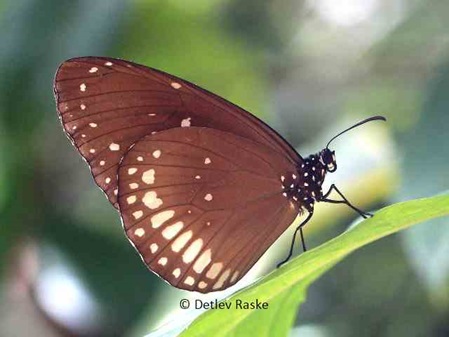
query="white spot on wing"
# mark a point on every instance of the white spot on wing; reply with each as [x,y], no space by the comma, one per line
[181,241]
[148,176]
[208,197]
[137,214]
[93,70]
[102,162]
[114,147]
[93,125]
[192,251]
[170,231]
[158,219]
[140,158]
[83,87]
[157,154]
[202,285]
[151,200]
[108,64]
[131,199]
[83,107]
[162,261]
[133,186]
[176,272]
[132,170]
[214,270]
[107,180]
[202,262]
[175,85]
[207,161]
[154,247]
[222,279]
[139,232]
[185,122]
[189,281]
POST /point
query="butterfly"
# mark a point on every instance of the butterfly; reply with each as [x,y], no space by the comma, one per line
[202,186]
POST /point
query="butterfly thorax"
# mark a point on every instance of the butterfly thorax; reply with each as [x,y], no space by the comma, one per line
[304,187]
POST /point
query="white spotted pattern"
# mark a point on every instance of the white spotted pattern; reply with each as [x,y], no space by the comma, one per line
[154,247]
[175,85]
[132,170]
[157,154]
[93,70]
[171,231]
[163,261]
[114,147]
[137,214]
[192,251]
[185,122]
[148,176]
[139,232]
[207,161]
[214,270]
[208,197]
[151,200]
[176,272]
[202,262]
[222,279]
[83,87]
[189,281]
[181,241]
[160,218]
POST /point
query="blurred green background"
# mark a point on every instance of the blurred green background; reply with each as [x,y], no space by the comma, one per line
[308,68]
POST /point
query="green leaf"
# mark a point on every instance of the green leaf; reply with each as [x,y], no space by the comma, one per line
[285,288]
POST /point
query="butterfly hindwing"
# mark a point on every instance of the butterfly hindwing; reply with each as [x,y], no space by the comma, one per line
[202,205]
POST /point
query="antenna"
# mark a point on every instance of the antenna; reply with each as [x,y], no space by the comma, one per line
[374,118]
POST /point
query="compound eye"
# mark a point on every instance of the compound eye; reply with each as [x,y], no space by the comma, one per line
[328,157]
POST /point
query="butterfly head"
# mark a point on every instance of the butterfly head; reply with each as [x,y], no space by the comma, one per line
[327,158]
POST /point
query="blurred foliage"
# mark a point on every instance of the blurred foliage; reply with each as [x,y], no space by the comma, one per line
[309,68]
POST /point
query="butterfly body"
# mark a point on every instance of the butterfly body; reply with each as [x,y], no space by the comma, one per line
[203,187]
[305,185]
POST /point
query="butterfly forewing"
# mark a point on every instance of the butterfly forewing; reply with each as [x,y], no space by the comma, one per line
[106,105]
[201,217]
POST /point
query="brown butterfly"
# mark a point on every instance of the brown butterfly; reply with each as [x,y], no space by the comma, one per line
[202,186]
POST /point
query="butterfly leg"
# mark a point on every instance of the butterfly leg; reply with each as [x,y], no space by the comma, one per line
[299,228]
[344,201]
